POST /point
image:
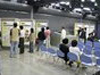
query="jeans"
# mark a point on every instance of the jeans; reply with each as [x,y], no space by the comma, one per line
[31,47]
[39,44]
[13,48]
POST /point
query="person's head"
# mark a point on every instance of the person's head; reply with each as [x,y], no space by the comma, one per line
[15,25]
[74,43]
[47,28]
[42,29]
[85,28]
[63,27]
[32,30]
[21,27]
[65,41]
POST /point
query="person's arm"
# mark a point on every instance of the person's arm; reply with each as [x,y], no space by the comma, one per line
[10,34]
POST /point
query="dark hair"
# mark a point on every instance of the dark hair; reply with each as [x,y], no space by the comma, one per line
[15,24]
[32,30]
[63,27]
[42,29]
[65,41]
[74,43]
[21,27]
[47,28]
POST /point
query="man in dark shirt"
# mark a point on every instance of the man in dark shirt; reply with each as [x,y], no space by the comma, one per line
[65,49]
[41,38]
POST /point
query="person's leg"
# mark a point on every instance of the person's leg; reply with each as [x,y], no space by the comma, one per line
[31,47]
[16,48]
[12,49]
[21,45]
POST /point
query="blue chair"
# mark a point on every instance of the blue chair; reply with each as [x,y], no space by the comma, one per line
[88,43]
[81,47]
[72,56]
[87,61]
[97,45]
[98,62]
[87,52]
[60,54]
[97,54]
[43,49]
[52,52]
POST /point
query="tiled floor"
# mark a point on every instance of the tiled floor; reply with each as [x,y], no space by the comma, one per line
[35,64]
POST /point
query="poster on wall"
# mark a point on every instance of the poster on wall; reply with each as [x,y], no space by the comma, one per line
[6,26]
[89,28]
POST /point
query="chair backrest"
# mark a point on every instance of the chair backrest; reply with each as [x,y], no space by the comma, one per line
[86,60]
[97,53]
[98,62]
[72,56]
[60,53]
[88,43]
[87,52]
[51,50]
[97,45]
[43,48]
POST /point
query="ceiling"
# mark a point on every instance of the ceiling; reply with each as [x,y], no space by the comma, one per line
[81,7]
[84,7]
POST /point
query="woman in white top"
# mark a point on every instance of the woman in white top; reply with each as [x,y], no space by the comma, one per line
[75,50]
[63,34]
[21,40]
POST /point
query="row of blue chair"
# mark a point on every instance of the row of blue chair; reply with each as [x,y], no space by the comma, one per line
[89,45]
[85,60]
[51,52]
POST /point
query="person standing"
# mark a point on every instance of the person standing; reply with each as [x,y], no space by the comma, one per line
[41,38]
[47,34]
[79,33]
[21,40]
[14,38]
[31,39]
[63,33]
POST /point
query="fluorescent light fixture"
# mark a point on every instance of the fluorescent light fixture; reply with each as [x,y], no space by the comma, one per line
[95,4]
[83,0]
[62,2]
[67,3]
[52,4]
[88,9]
[57,5]
[92,0]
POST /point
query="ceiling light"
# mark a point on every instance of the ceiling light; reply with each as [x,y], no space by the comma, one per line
[83,0]
[52,4]
[92,0]
[62,2]
[57,5]
[95,4]
[88,9]
[67,3]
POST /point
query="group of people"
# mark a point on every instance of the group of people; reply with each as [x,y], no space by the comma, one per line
[17,39]
[73,48]
[82,33]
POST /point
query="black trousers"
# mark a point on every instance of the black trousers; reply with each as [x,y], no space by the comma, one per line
[21,45]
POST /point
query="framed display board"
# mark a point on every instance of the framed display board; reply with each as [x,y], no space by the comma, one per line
[6,25]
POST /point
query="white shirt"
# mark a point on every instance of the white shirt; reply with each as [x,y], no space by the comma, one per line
[22,33]
[76,51]
[63,34]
